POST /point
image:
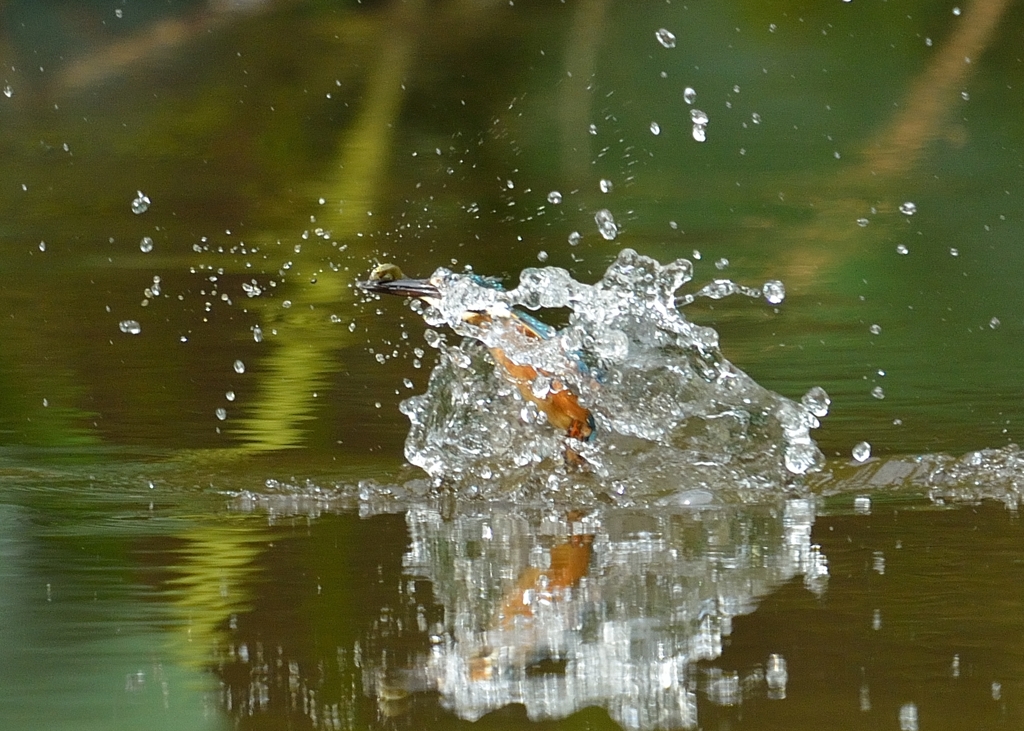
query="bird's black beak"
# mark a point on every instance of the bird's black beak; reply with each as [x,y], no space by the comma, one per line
[419,288]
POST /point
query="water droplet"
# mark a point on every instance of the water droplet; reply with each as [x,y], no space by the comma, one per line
[862,503]
[902,250]
[574,238]
[689,95]
[772,27]
[862,453]
[862,222]
[593,129]
[878,392]
[698,117]
[146,245]
[700,133]
[908,711]
[433,338]
[42,246]
[239,366]
[801,458]
[606,224]
[774,291]
[140,204]
[554,197]
[776,676]
[257,333]
[542,255]
[721,264]
[510,184]
[118,13]
[994,323]
[954,251]
[130,327]
[928,42]
[908,208]
[755,118]
[407,383]
[666,38]
[230,395]
[875,329]
[817,401]
[222,413]
[965,96]
[956,10]
[8,91]
[606,185]
[655,128]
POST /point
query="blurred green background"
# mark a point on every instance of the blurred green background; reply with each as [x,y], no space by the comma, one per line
[287,147]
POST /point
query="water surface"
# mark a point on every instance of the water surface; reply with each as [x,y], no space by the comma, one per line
[188,539]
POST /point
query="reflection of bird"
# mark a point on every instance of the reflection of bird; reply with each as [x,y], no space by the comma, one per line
[558,403]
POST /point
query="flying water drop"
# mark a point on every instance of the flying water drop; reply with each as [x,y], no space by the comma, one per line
[130,327]
[816,401]
[606,224]
[861,452]
[774,291]
[665,37]
[140,204]
[700,123]
[689,95]
[908,208]
[554,197]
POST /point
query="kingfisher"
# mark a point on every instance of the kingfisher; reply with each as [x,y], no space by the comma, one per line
[559,403]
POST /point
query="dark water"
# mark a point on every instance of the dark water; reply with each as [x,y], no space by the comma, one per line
[169,565]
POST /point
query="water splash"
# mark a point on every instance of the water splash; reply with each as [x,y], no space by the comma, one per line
[673,416]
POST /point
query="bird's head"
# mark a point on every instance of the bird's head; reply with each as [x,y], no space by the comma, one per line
[389,279]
